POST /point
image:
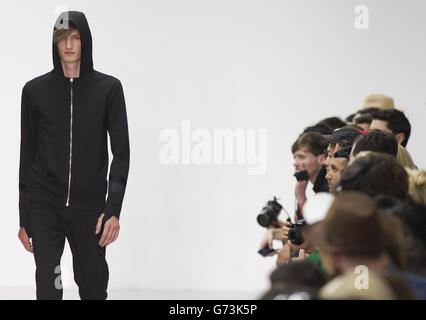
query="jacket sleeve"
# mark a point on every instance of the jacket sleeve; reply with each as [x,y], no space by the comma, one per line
[29,136]
[119,139]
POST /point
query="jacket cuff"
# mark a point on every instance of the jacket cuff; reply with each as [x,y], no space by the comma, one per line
[24,211]
[113,205]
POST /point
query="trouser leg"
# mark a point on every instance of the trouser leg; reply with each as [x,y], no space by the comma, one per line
[48,240]
[90,267]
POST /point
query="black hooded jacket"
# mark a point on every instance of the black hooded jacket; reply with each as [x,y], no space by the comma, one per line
[64,126]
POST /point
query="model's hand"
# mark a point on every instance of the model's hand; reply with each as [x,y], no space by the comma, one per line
[22,235]
[111,229]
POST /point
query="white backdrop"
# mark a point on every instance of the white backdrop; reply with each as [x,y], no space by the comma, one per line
[274,65]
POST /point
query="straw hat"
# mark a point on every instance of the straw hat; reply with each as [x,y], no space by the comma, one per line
[378,101]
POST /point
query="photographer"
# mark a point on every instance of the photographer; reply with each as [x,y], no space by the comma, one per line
[308,153]
[295,248]
[291,235]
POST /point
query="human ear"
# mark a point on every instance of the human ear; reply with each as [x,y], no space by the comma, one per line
[400,137]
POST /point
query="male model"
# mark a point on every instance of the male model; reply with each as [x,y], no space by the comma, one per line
[65,116]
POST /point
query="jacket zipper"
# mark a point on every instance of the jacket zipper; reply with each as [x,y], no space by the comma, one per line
[69,172]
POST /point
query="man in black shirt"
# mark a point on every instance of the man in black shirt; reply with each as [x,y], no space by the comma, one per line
[66,115]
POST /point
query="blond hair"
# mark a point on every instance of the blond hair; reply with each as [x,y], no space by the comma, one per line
[404,158]
[417,185]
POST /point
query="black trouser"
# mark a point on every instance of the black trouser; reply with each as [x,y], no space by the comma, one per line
[50,226]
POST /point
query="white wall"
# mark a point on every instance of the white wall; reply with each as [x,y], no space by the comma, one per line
[277,65]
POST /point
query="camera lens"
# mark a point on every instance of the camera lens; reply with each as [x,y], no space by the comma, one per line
[265,219]
[295,236]
[269,213]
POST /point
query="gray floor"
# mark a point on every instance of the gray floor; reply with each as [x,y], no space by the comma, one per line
[28,293]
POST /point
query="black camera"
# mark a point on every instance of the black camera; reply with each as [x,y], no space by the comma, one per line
[269,214]
[295,234]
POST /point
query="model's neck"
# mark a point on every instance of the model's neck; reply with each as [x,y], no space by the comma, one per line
[71,69]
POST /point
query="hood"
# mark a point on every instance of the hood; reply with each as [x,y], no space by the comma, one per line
[80,22]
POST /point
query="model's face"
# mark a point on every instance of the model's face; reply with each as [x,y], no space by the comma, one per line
[304,160]
[70,48]
[334,166]
[381,125]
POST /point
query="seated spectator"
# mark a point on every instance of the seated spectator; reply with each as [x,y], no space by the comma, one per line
[393,121]
[404,158]
[417,185]
[377,141]
[416,189]
[333,123]
[378,101]
[364,121]
[375,174]
[413,217]
[371,104]
[367,112]
[344,137]
[319,128]
[356,232]
[295,278]
[336,164]
[381,286]
[308,153]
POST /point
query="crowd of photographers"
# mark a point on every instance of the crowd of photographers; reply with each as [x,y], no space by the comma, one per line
[363,234]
